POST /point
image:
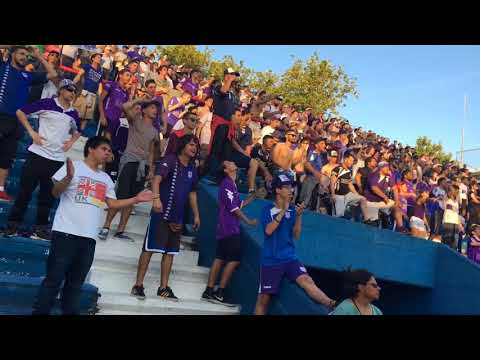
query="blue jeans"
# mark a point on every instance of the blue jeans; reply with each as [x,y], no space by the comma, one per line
[69,260]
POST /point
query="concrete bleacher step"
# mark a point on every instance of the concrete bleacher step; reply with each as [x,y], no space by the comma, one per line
[129,264]
[112,303]
[114,280]
[116,247]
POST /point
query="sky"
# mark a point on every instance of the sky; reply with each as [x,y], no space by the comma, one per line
[404,91]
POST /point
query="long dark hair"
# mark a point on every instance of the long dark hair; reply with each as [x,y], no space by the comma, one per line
[184,141]
[351,280]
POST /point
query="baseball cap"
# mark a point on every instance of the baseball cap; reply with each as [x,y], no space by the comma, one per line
[230,71]
[333,153]
[281,180]
[279,97]
[95,53]
[67,83]
[383,164]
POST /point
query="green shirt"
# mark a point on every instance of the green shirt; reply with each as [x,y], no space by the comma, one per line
[347,307]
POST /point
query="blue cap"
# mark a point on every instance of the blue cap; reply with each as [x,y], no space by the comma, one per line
[281,180]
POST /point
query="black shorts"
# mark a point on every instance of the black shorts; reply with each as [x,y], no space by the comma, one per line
[10,133]
[242,161]
[111,168]
[160,238]
[229,249]
[127,184]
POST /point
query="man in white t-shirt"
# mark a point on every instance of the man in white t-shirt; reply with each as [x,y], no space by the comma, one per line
[84,191]
[58,130]
[270,129]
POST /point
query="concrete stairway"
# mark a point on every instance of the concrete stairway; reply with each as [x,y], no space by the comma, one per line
[115,266]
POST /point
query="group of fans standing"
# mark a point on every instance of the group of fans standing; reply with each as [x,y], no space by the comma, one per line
[166,125]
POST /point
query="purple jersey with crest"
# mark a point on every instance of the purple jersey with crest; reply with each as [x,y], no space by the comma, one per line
[178,182]
[228,202]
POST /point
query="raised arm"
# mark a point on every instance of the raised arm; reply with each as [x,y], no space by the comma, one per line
[51,73]
[128,108]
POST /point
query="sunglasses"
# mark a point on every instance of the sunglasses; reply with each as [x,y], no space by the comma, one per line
[69,89]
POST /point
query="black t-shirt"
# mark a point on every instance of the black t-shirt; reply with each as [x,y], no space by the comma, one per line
[364,172]
[344,177]
[474,209]
[224,104]
[244,137]
[259,154]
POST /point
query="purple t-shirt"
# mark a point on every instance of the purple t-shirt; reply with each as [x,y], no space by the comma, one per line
[172,116]
[189,86]
[113,102]
[157,122]
[228,201]
[374,180]
[177,182]
[418,211]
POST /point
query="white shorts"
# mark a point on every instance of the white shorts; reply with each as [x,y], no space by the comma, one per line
[374,207]
[342,201]
[417,223]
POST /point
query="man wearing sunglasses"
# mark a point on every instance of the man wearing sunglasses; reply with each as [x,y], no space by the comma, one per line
[58,130]
[284,157]
[190,122]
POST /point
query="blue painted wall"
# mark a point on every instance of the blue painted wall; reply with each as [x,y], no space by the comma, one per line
[417,276]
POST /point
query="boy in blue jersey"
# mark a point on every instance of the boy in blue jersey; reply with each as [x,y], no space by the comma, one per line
[282,223]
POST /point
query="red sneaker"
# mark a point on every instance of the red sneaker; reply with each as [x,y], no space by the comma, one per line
[5,197]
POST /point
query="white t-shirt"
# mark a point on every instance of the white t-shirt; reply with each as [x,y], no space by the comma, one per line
[81,209]
[267,130]
[56,125]
[450,216]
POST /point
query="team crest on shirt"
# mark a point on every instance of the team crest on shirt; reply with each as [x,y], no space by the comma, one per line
[190,174]
[287,215]
[91,192]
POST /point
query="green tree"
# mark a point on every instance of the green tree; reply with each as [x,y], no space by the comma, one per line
[265,80]
[217,67]
[188,55]
[425,146]
[317,84]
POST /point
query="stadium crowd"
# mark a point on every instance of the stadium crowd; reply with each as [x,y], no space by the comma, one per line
[165,125]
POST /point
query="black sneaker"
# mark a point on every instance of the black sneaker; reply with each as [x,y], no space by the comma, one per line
[10,231]
[373,223]
[41,235]
[218,296]
[167,294]
[138,292]
[208,294]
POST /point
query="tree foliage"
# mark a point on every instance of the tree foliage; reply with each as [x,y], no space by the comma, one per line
[316,83]
[425,146]
[187,55]
[312,83]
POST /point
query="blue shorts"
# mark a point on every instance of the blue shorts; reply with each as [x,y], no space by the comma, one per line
[160,238]
[271,276]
